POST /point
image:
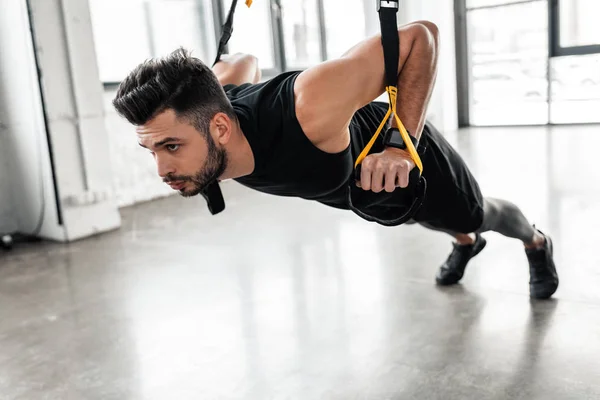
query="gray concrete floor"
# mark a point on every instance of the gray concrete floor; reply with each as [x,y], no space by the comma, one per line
[285,299]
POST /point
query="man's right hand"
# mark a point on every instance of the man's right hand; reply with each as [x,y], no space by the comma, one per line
[387,170]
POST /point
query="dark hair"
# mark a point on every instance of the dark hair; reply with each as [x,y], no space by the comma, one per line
[179,82]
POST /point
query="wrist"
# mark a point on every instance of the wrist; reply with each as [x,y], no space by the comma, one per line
[393,138]
[393,124]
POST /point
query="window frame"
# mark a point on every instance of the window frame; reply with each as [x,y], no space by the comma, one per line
[463,58]
[220,9]
[556,50]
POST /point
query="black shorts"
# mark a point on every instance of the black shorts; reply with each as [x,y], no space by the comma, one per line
[453,200]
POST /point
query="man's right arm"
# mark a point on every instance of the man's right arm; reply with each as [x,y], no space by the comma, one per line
[237,69]
[344,85]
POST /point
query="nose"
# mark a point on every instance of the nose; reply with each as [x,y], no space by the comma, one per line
[164,167]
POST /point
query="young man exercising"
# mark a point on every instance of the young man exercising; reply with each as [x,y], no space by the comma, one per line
[299,134]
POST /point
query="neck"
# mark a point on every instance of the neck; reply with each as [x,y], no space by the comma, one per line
[239,155]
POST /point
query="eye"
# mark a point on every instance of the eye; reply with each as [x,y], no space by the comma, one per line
[172,147]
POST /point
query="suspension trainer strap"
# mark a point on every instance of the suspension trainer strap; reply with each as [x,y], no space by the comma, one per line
[212,193]
[390,42]
[227,29]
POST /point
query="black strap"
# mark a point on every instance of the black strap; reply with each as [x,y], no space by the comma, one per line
[389,39]
[226,32]
[212,192]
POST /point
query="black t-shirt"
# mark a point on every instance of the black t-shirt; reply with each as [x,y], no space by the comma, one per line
[286,162]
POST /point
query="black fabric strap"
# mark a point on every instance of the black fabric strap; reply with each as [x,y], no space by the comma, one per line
[226,32]
[389,40]
[212,192]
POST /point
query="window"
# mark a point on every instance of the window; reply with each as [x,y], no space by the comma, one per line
[528,61]
[575,89]
[579,22]
[120,35]
[345,25]
[253,31]
[182,23]
[508,58]
[127,32]
[301,33]
[489,3]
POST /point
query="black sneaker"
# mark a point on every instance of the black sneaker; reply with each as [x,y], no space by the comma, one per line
[454,268]
[543,280]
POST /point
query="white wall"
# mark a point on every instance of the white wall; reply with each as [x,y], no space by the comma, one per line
[75,115]
[24,162]
[134,172]
[74,106]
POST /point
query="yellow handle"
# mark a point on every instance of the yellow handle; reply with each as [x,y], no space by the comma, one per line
[393,94]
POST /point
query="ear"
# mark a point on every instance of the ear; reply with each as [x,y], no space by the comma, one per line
[222,128]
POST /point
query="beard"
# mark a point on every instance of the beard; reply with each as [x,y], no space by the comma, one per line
[215,165]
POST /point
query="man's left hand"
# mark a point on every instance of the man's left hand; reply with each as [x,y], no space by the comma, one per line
[386,170]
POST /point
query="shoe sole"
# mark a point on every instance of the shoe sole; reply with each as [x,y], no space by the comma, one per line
[546,294]
[442,282]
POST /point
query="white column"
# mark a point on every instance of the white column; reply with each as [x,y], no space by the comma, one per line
[26,189]
[75,113]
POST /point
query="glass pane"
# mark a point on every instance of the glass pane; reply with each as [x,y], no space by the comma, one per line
[252,31]
[127,32]
[345,26]
[301,33]
[120,36]
[575,89]
[485,3]
[579,22]
[182,23]
[508,57]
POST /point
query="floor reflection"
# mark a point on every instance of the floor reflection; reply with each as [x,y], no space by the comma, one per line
[262,303]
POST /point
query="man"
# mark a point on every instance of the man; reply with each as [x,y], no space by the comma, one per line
[299,133]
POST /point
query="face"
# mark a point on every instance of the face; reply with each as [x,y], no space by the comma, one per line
[186,159]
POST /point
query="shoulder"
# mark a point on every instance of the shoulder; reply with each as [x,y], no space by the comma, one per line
[325,104]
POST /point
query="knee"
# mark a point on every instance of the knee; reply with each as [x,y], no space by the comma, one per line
[498,209]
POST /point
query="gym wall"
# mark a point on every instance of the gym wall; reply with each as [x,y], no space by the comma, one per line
[134,173]
[79,201]
[23,146]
